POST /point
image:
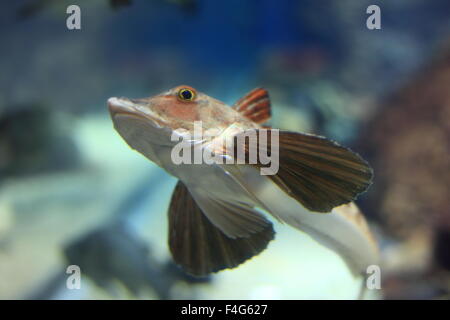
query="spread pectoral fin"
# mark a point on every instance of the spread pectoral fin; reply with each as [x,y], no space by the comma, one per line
[317,172]
[199,246]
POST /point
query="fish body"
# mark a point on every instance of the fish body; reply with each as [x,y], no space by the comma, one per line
[215,221]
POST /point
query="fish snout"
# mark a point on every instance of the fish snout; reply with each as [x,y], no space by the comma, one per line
[134,108]
[120,106]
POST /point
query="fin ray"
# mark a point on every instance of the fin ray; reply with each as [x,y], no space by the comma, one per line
[317,172]
[199,246]
[255,105]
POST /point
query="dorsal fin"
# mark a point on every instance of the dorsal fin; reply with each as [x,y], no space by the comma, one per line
[255,105]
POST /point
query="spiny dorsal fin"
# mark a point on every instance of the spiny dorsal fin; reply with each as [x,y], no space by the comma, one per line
[255,105]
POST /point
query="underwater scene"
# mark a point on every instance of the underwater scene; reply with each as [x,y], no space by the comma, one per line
[97,202]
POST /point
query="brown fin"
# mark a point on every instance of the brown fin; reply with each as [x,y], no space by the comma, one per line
[317,172]
[255,105]
[200,247]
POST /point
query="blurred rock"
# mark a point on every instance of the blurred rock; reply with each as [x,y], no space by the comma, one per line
[112,254]
[408,144]
[33,141]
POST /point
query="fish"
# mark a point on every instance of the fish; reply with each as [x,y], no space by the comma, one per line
[218,212]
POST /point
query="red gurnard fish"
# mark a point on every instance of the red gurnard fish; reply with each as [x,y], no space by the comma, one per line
[214,221]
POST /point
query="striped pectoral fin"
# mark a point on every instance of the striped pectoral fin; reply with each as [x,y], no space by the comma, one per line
[255,105]
[317,172]
[200,247]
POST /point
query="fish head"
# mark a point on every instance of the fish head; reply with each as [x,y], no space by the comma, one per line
[177,108]
[171,109]
[151,121]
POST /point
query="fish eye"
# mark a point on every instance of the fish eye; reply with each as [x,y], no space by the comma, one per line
[186,94]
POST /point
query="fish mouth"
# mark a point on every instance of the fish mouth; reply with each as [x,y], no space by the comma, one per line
[129,108]
[121,106]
